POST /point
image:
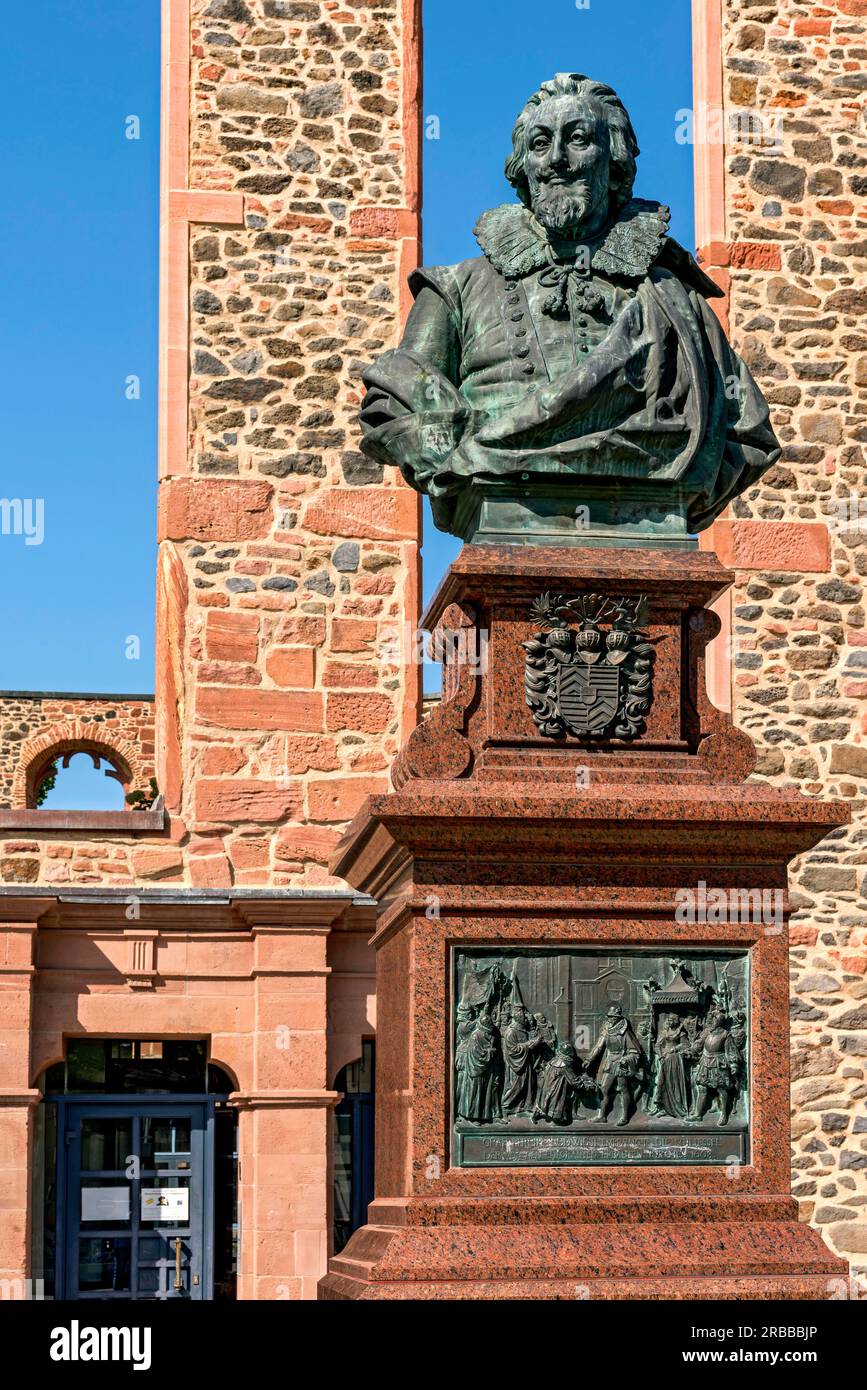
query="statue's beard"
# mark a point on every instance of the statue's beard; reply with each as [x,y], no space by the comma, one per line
[563,209]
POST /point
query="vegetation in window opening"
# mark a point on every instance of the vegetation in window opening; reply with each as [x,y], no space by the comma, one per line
[47,784]
[144,800]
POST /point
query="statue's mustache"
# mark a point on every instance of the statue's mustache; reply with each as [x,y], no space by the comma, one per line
[562,201]
[565,176]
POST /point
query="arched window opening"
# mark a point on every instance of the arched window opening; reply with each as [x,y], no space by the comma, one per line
[79,780]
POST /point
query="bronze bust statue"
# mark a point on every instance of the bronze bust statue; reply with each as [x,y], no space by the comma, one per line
[571,384]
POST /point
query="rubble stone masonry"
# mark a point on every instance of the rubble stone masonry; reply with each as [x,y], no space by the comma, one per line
[34,729]
[289,563]
[789,244]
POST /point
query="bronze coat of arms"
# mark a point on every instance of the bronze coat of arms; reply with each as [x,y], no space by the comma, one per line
[589,669]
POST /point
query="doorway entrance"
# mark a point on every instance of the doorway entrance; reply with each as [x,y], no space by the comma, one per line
[354,1145]
[138,1204]
[136,1174]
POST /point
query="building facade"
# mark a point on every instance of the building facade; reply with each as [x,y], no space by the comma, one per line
[186,1059]
[780,225]
[188,996]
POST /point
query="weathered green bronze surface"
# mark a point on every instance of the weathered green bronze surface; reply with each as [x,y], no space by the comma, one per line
[571,385]
[587,1057]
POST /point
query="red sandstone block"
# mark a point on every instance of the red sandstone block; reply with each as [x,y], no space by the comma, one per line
[370,713]
[791,546]
[755,255]
[301,1064]
[309,632]
[371,513]
[344,675]
[253,878]
[382,222]
[214,509]
[206,844]
[806,28]
[338,798]
[231,708]
[311,842]
[296,1012]
[352,634]
[157,862]
[716,253]
[803,936]
[228,673]
[852,7]
[854,965]
[237,800]
[221,762]
[206,205]
[369,762]
[294,953]
[374,584]
[210,871]
[177,830]
[249,854]
[300,753]
[293,221]
[18,949]
[362,607]
[292,666]
[837,207]
[855,690]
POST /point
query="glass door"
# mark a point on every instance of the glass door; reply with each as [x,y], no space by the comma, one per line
[138,1196]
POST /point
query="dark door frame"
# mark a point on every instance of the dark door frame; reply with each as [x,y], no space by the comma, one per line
[130,1103]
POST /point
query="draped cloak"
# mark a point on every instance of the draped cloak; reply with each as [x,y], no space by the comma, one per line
[477,1068]
[488,384]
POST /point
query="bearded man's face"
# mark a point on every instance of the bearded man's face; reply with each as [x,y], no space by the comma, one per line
[567,165]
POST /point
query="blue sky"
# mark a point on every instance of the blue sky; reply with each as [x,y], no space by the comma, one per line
[78,245]
[79,248]
[483,60]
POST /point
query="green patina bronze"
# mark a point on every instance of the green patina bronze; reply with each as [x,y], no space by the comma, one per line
[570,386]
[576,1056]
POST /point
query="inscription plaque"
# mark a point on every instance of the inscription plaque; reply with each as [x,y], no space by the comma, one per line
[593,1057]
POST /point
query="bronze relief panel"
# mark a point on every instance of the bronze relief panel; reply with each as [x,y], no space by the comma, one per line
[584,1056]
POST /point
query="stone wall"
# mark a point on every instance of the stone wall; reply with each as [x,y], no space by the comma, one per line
[34,723]
[794,259]
[32,728]
[289,562]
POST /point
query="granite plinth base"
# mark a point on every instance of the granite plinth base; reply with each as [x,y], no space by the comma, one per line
[570,874]
[620,1257]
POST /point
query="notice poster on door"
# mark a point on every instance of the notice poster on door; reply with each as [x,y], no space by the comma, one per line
[165,1204]
[105,1204]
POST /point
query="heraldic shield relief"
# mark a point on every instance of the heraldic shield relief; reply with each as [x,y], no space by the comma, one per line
[595,682]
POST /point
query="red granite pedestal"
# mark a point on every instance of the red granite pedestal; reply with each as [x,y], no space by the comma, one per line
[496,835]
